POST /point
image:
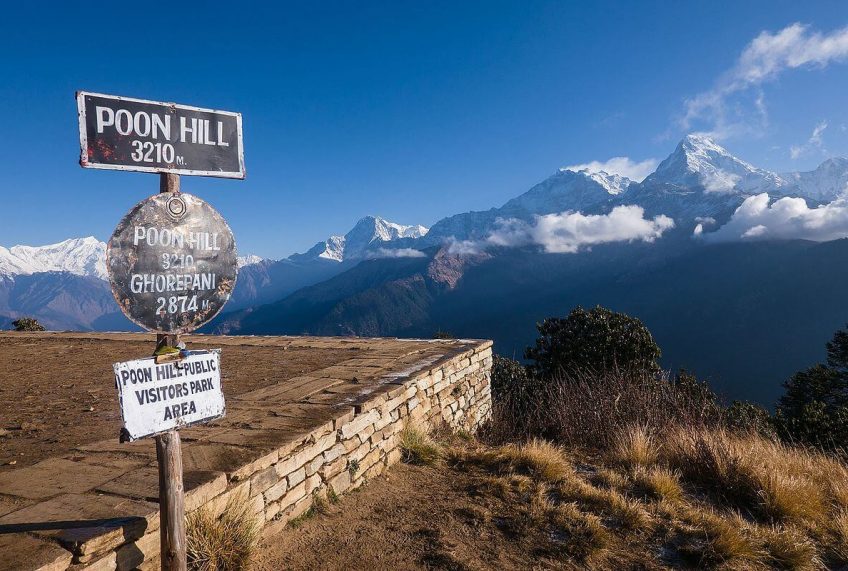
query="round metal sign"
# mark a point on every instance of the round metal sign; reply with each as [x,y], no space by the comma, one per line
[172,263]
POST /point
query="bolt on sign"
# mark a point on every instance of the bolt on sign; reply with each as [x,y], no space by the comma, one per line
[172,263]
[134,134]
[156,398]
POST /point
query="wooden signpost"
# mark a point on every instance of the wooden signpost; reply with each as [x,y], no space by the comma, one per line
[172,266]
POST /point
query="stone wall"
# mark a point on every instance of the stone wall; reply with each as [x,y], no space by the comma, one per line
[342,453]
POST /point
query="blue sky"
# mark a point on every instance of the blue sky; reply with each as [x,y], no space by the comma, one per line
[410,110]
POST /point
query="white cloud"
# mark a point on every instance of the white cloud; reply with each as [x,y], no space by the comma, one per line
[396,253]
[764,59]
[814,142]
[719,181]
[623,166]
[703,222]
[786,218]
[567,232]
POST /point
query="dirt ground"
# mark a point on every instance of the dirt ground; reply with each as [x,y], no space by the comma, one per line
[58,393]
[414,517]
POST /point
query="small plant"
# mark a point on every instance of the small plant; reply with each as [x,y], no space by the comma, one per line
[320,505]
[27,324]
[439,334]
[223,543]
[353,466]
[418,447]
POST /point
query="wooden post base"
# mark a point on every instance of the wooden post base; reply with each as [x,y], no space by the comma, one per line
[172,532]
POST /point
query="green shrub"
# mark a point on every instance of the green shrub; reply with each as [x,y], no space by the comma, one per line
[593,341]
[443,335]
[27,324]
[743,416]
[814,407]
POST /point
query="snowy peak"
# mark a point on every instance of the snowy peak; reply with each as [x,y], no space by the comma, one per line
[80,256]
[699,162]
[612,183]
[826,183]
[332,249]
[248,260]
[567,189]
[368,233]
[373,229]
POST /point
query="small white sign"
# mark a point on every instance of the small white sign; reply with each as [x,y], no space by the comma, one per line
[157,398]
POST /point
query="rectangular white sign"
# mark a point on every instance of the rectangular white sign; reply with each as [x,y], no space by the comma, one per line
[157,398]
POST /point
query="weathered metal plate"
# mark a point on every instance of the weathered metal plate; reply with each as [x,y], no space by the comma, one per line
[172,263]
[157,398]
[123,133]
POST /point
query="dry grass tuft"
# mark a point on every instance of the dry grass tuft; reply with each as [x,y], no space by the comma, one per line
[707,540]
[767,479]
[634,447]
[789,498]
[658,483]
[579,535]
[610,479]
[790,548]
[629,513]
[840,536]
[626,513]
[224,543]
[700,497]
[536,458]
[418,448]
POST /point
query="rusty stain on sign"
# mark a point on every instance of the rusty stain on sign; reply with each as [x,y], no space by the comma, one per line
[124,133]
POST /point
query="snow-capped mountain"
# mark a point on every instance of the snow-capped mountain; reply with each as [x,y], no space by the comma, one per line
[699,179]
[580,191]
[79,256]
[699,163]
[367,236]
[248,260]
[825,183]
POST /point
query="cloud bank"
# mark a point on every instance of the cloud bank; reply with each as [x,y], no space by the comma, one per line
[623,166]
[786,218]
[567,232]
[764,59]
[396,253]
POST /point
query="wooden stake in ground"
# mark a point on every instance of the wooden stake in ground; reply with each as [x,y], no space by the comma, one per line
[172,532]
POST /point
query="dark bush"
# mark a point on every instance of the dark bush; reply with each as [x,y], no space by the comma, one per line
[593,341]
[595,372]
[814,407]
[747,417]
[516,395]
[439,334]
[27,324]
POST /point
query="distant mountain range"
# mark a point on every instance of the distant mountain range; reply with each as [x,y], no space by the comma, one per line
[723,260]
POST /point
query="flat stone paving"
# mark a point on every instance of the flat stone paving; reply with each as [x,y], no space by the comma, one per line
[97,493]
